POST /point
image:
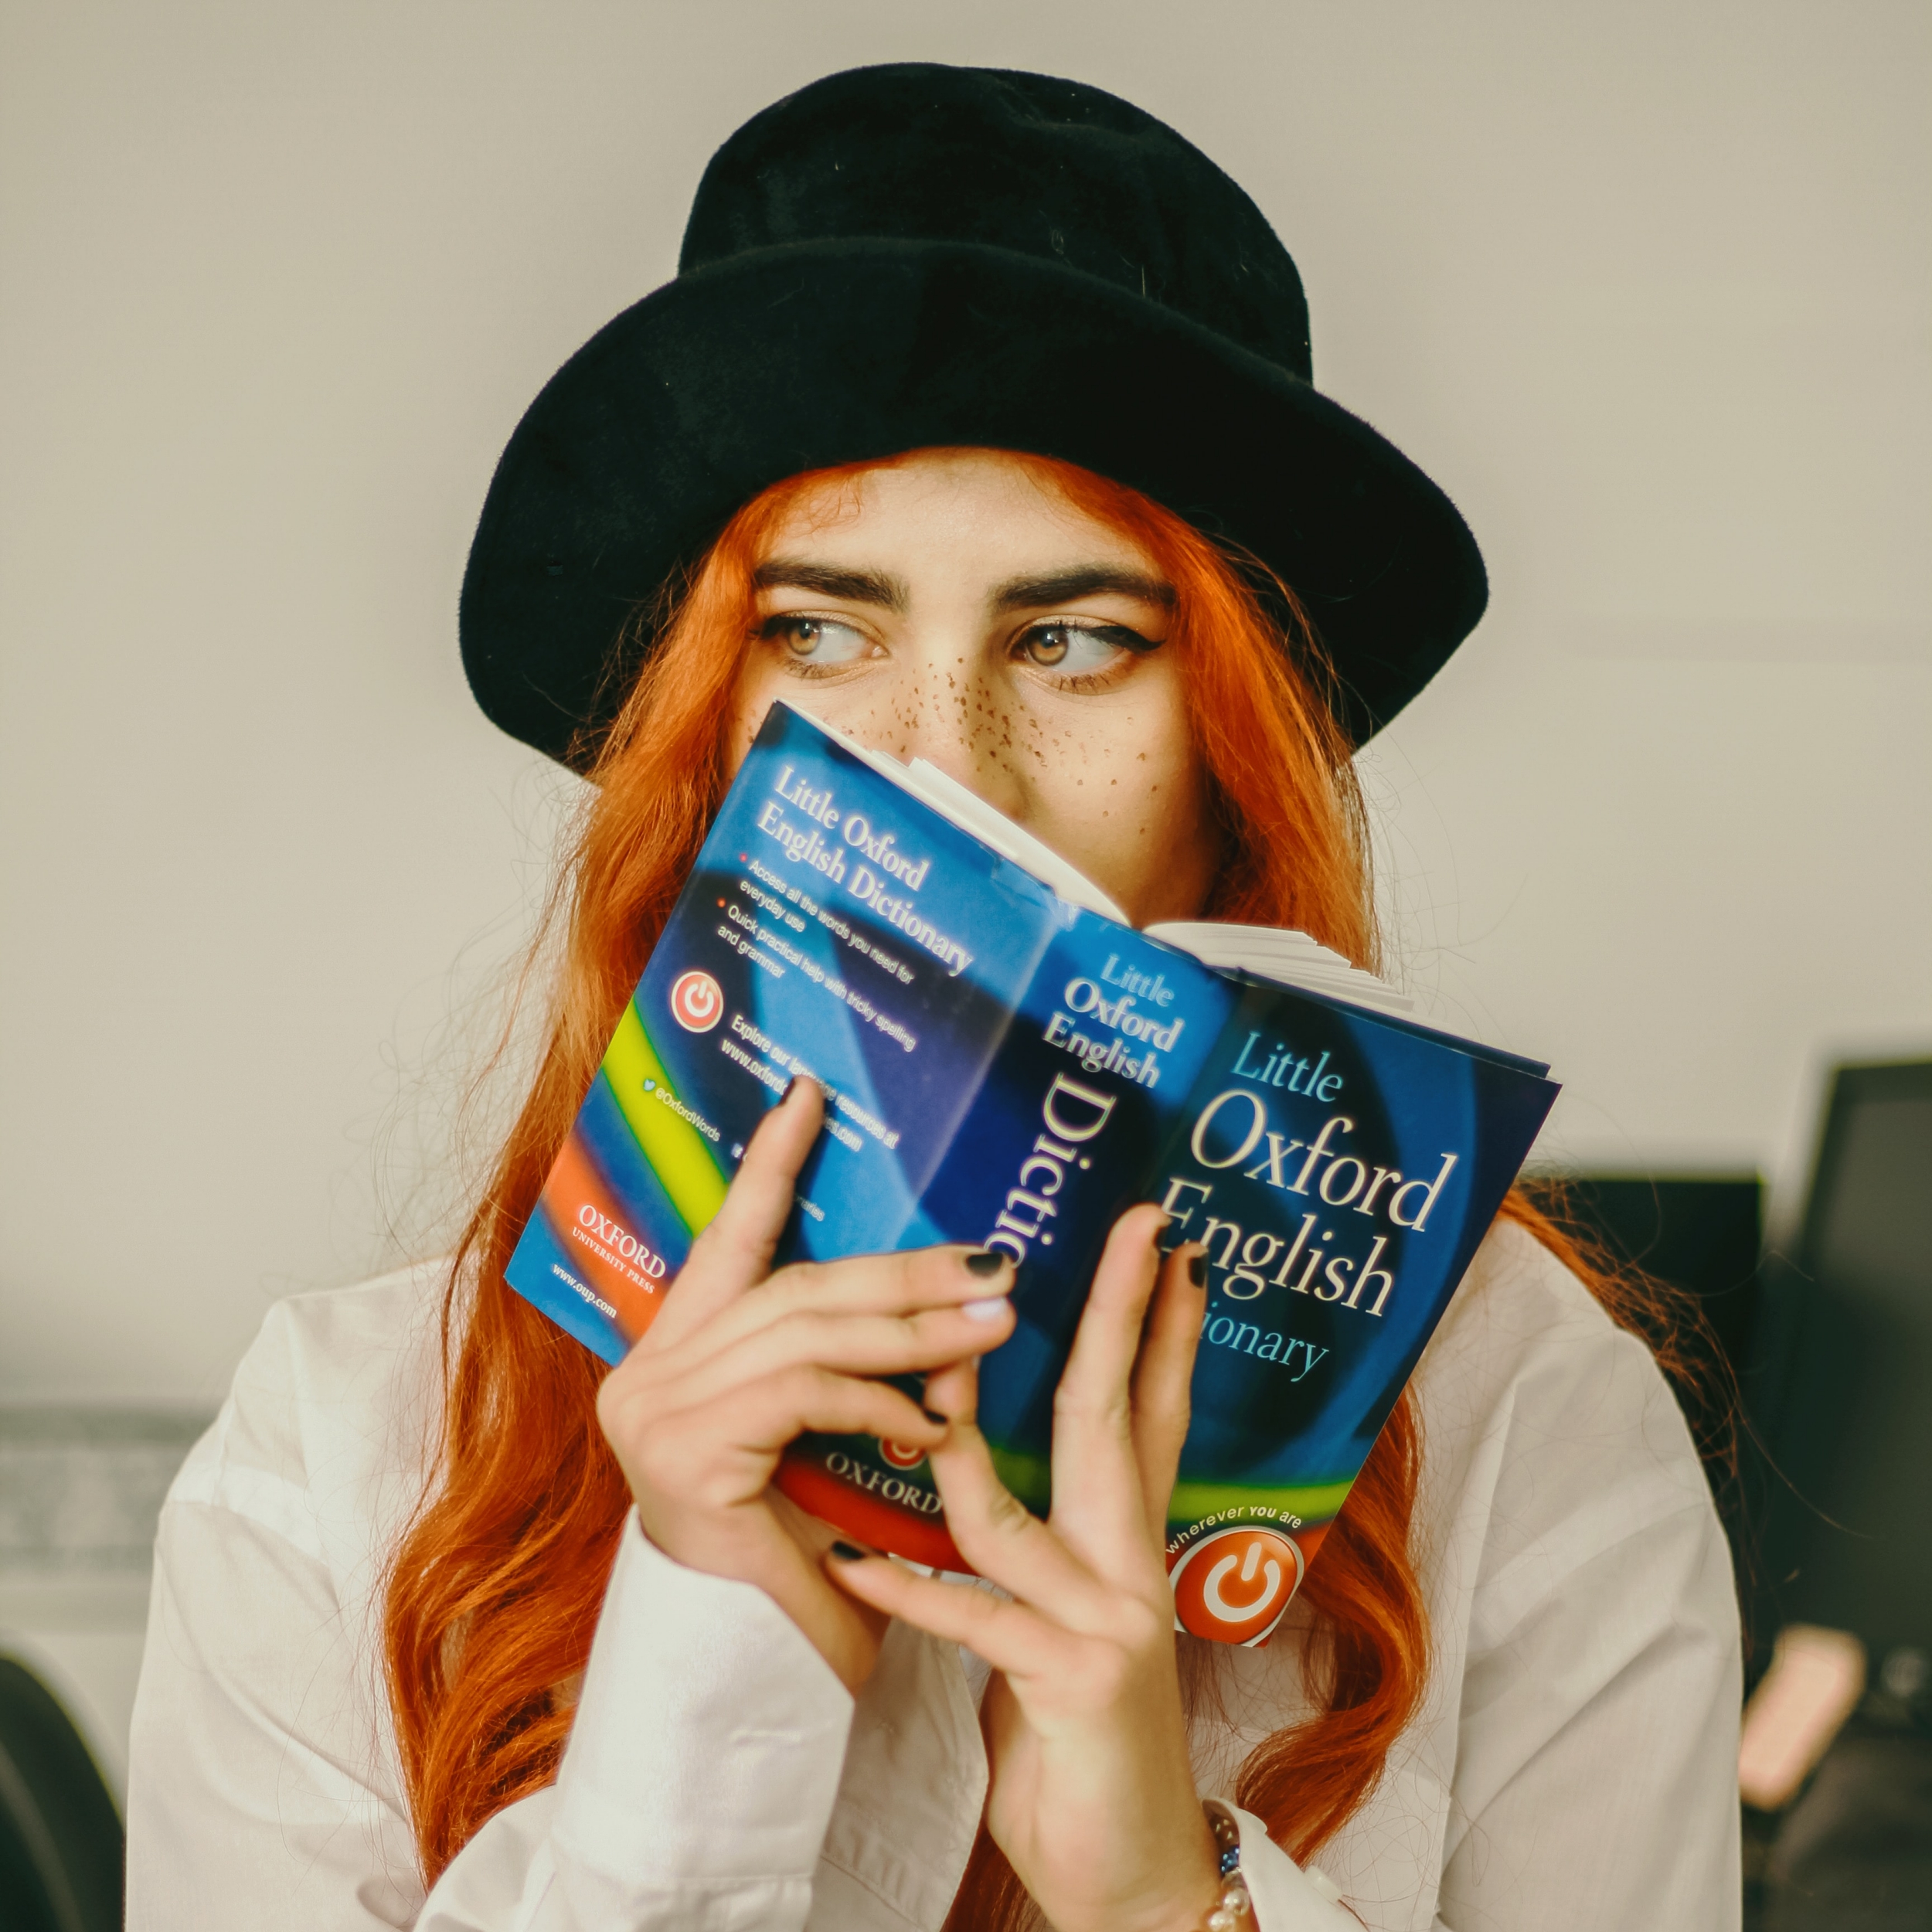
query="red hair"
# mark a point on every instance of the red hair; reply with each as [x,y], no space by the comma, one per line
[493,1593]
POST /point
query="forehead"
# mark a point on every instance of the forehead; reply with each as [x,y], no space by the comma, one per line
[958,509]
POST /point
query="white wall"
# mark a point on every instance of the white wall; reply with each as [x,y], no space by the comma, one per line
[1648,287]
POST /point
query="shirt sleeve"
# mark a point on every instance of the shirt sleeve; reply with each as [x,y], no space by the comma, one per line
[1287,1897]
[260,1793]
[1597,1776]
[698,1782]
[1573,1763]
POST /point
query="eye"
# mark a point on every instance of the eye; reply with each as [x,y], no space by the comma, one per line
[1078,649]
[813,641]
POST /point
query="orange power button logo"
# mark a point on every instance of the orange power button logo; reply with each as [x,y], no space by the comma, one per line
[1234,1584]
[697,1001]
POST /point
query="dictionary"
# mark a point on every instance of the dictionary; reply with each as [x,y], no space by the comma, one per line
[1008,1063]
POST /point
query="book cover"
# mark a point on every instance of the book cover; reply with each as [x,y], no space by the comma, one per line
[1006,1068]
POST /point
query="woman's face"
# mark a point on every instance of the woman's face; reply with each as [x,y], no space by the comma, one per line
[950,608]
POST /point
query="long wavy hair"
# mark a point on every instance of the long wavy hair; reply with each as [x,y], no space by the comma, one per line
[493,1593]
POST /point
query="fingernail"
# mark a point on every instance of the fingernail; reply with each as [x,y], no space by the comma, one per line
[933,1416]
[988,1310]
[849,1552]
[789,1085]
[1197,1269]
[984,1261]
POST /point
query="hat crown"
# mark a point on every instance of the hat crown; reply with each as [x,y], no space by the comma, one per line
[925,154]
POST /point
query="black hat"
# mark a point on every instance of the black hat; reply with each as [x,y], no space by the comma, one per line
[903,257]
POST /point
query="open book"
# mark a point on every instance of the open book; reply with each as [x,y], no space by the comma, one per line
[1009,1064]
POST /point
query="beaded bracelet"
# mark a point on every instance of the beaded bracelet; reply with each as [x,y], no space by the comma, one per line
[1234,1905]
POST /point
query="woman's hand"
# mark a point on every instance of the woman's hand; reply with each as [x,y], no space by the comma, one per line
[1092,1795]
[740,1360]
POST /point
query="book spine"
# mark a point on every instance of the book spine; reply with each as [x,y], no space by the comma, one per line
[1060,1138]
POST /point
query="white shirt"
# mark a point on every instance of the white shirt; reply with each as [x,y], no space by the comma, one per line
[1574,1765]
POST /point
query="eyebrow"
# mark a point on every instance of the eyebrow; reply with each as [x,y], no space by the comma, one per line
[853,586]
[890,593]
[1087,580]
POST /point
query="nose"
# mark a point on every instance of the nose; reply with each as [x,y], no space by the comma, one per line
[956,715]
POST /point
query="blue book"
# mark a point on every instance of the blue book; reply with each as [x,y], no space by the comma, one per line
[1009,1064]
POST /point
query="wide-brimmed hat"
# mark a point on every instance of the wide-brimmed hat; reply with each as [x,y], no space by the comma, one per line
[912,257]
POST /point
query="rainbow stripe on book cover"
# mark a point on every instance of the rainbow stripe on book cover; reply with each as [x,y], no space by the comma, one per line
[1005,1069]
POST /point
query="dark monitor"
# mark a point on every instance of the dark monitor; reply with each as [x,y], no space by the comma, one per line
[1847,1385]
[1701,1234]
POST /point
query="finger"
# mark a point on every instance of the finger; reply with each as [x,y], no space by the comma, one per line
[784,1406]
[1095,1479]
[996,1533]
[1093,1386]
[714,1442]
[954,1389]
[949,1276]
[736,1249]
[1011,1637]
[1164,1375]
[868,1344]
[970,1279]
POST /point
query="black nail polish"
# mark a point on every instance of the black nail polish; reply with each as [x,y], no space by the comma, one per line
[984,1261]
[1197,1269]
[847,1552]
[933,1415]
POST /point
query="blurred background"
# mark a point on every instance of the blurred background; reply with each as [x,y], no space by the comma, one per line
[1648,289]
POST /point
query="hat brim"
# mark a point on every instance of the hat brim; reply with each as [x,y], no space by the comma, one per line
[727,380]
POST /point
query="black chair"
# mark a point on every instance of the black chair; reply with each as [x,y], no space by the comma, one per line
[1703,1235]
[61,1852]
[1831,1348]
[1843,1394]
[1846,1406]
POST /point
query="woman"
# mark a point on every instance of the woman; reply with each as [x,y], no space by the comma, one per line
[960,370]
